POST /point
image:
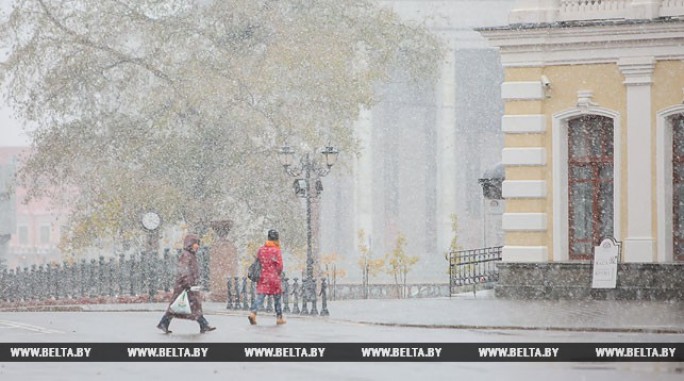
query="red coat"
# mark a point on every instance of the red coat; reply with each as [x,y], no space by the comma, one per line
[271,267]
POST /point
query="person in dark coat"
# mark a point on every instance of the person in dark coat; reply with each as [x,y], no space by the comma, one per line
[269,283]
[187,279]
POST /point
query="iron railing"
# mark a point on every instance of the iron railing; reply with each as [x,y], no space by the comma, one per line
[473,267]
[141,275]
[242,291]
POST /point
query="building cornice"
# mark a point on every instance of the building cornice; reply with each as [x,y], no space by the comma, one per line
[587,43]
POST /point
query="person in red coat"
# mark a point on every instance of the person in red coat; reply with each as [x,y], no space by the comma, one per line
[269,282]
[187,279]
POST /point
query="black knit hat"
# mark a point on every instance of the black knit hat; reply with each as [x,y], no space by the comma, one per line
[272,235]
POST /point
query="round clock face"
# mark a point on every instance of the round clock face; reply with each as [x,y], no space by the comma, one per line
[151,221]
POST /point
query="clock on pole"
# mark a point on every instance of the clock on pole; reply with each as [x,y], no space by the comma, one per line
[151,221]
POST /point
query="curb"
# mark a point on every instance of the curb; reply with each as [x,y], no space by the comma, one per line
[56,308]
[89,308]
[655,330]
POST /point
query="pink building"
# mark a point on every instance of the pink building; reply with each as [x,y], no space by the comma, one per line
[36,231]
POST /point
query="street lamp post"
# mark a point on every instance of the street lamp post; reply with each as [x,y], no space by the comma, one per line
[308,185]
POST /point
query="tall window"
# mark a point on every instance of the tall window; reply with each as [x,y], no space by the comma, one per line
[23,235]
[678,187]
[590,183]
[45,235]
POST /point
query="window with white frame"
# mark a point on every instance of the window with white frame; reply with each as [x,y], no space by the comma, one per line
[590,184]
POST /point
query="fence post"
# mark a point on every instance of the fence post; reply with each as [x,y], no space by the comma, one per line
[286,296]
[13,286]
[133,268]
[110,276]
[229,295]
[50,281]
[101,280]
[21,283]
[295,294]
[245,305]
[92,278]
[83,279]
[324,298]
[41,278]
[204,266]
[237,293]
[3,284]
[154,274]
[67,280]
[32,282]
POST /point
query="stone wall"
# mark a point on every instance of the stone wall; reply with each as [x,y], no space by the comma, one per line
[386,291]
[635,281]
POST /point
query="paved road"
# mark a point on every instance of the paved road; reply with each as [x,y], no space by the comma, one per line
[234,327]
[139,327]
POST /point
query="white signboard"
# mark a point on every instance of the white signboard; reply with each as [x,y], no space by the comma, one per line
[605,265]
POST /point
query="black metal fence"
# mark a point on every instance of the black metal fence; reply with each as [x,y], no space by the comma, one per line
[139,275]
[473,267]
[241,294]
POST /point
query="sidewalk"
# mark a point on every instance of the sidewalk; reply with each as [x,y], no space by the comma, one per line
[482,312]
[487,312]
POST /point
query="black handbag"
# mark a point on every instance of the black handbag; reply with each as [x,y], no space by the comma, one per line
[254,271]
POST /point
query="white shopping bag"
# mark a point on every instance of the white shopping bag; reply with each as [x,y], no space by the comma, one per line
[181,305]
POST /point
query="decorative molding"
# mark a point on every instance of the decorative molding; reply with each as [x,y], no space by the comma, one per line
[524,222]
[525,254]
[523,189]
[584,100]
[570,10]
[524,156]
[590,43]
[672,8]
[550,11]
[532,90]
[637,70]
[523,124]
[644,9]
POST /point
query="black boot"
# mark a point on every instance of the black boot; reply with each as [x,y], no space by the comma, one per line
[164,323]
[204,325]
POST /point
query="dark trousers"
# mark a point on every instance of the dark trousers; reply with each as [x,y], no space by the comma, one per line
[166,320]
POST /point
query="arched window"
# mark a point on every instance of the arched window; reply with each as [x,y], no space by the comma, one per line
[590,183]
[678,187]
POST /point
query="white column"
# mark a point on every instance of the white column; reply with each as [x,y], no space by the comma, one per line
[363,178]
[446,149]
[639,242]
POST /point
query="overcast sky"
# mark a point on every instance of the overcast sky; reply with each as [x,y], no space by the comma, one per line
[11,133]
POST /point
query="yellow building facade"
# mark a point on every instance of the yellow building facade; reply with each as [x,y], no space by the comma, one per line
[593,130]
